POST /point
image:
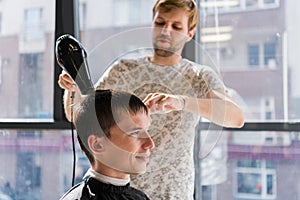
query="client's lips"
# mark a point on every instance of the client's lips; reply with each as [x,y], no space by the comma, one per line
[144,158]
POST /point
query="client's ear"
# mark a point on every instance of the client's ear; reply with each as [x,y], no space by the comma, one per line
[95,144]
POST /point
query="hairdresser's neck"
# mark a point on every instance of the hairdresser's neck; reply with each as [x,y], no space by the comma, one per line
[166,61]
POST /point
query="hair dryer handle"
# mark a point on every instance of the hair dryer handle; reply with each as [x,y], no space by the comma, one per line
[71,56]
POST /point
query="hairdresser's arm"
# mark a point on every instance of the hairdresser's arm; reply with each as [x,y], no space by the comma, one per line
[216,107]
[66,83]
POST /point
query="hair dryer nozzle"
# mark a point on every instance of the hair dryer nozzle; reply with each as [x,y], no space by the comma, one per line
[71,56]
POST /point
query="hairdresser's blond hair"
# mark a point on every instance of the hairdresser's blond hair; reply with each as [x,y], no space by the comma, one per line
[189,6]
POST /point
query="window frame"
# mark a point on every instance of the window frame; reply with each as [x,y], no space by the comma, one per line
[67,21]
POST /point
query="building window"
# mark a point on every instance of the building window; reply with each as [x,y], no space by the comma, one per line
[30,76]
[253,55]
[237,5]
[128,12]
[29,172]
[268,108]
[255,179]
[33,29]
[251,3]
[0,71]
[0,23]
[134,15]
[270,55]
[262,55]
[83,15]
[269,1]
[120,9]
[260,4]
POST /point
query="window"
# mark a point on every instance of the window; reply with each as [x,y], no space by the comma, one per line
[37,163]
[269,108]
[121,11]
[1,71]
[128,12]
[27,98]
[27,56]
[269,1]
[251,3]
[258,63]
[270,55]
[255,179]
[267,51]
[33,24]
[0,22]
[134,6]
[237,5]
[30,72]
[83,16]
[253,52]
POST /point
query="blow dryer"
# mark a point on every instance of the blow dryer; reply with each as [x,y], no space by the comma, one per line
[71,56]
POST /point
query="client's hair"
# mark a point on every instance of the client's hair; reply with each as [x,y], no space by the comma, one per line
[99,111]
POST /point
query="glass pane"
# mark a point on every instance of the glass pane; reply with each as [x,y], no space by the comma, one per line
[249,183]
[37,164]
[270,181]
[26,59]
[258,59]
[120,27]
[254,170]
[249,163]
[251,3]
[247,42]
[270,54]
[269,1]
[253,54]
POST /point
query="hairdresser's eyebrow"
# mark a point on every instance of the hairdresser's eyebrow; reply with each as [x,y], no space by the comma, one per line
[159,18]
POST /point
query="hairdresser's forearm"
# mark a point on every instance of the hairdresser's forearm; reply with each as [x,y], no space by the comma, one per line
[219,109]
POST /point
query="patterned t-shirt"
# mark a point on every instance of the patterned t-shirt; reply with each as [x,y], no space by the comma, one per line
[170,172]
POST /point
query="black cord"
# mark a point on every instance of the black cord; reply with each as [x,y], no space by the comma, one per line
[73,140]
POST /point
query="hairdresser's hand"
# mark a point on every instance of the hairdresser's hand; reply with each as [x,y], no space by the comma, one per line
[66,82]
[160,103]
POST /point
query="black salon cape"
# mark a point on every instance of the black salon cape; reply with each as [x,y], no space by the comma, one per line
[92,189]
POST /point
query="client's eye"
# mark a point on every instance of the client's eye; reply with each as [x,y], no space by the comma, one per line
[134,133]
